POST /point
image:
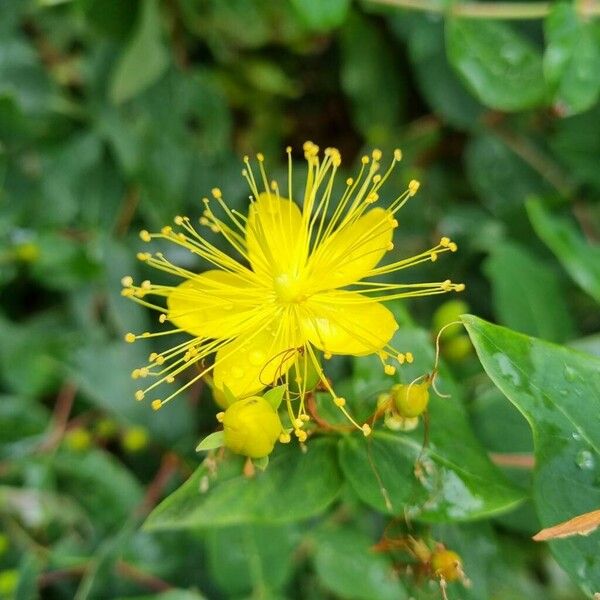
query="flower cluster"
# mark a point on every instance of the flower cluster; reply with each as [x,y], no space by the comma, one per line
[298,283]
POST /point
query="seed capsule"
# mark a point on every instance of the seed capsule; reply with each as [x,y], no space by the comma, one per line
[411,400]
[446,564]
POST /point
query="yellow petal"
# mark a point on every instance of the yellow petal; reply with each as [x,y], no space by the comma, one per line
[215,304]
[273,235]
[349,253]
[344,322]
[249,363]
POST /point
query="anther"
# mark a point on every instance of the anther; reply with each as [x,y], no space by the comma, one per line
[390,246]
[135,374]
[167,230]
[156,404]
[397,154]
[145,236]
[260,157]
[139,395]
[376,154]
[305,418]
[129,338]
[349,181]
[285,438]
[162,318]
[459,287]
[216,192]
[445,241]
[178,220]
[298,423]
[364,160]
[453,247]
[389,369]
[410,358]
[339,401]
[170,379]
[127,281]
[401,358]
[366,429]
[327,355]
[301,435]
[413,186]
[220,416]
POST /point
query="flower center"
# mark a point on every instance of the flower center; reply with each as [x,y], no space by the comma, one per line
[288,288]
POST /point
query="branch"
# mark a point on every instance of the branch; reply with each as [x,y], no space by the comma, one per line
[489,10]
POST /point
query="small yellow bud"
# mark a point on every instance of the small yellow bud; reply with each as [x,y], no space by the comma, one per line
[78,439]
[446,564]
[134,439]
[411,399]
[251,427]
[447,313]
[457,348]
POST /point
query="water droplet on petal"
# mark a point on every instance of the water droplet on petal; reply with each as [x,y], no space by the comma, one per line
[256,358]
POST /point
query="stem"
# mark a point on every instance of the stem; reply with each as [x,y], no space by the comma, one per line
[490,10]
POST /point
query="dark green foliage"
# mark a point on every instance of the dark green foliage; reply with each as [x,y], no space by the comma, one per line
[118,115]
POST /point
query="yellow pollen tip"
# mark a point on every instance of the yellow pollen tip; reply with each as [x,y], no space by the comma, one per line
[127,292]
[301,435]
[170,379]
[167,230]
[143,256]
[349,181]
[453,247]
[401,358]
[203,221]
[433,257]
[139,395]
[366,429]
[285,438]
[413,187]
[156,404]
[410,358]
[389,369]
[178,220]
[135,374]
[376,154]
[327,355]
[459,287]
[445,241]
[298,423]
[220,416]
[397,154]
[339,401]
[364,160]
[129,338]
[162,318]
[305,418]
[160,359]
[216,192]
[390,246]
[127,281]
[288,149]
[260,157]
[145,236]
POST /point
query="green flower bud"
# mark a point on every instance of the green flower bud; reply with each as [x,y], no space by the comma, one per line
[411,399]
[457,348]
[447,313]
[251,427]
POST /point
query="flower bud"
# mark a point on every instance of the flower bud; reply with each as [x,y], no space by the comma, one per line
[446,564]
[411,399]
[251,427]
[447,313]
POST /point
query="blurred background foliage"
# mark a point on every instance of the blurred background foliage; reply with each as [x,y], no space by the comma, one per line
[117,115]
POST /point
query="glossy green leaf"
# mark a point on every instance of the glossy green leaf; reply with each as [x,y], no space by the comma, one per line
[321,16]
[521,286]
[145,57]
[558,392]
[572,58]
[499,66]
[450,481]
[348,567]
[580,259]
[295,486]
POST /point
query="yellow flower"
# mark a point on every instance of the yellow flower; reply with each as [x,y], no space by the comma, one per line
[298,280]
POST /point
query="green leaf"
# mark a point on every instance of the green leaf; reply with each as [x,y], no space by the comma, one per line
[322,16]
[274,396]
[144,59]
[296,486]
[212,441]
[558,392]
[521,286]
[348,567]
[244,558]
[580,259]
[572,58]
[498,65]
[367,68]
